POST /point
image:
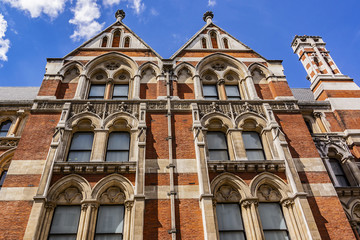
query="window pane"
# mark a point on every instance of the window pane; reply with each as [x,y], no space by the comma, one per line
[79,156]
[3,176]
[229,217]
[120,91]
[276,235]
[251,140]
[117,156]
[65,220]
[271,216]
[336,167]
[82,141]
[108,237]
[216,140]
[210,92]
[5,126]
[97,91]
[72,237]
[218,155]
[110,219]
[255,155]
[232,236]
[232,92]
[342,180]
[119,141]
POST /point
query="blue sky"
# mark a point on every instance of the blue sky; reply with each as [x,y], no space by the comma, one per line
[33,30]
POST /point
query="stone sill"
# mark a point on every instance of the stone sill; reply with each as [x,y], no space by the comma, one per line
[94,167]
[347,191]
[247,166]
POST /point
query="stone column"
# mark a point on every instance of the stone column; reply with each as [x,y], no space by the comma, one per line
[14,129]
[251,88]
[197,87]
[108,88]
[99,146]
[251,220]
[81,87]
[136,87]
[221,89]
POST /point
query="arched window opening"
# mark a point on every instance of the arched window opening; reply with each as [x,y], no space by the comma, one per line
[273,221]
[81,146]
[253,146]
[65,222]
[2,178]
[4,128]
[232,92]
[203,42]
[127,42]
[210,92]
[104,42]
[97,91]
[309,125]
[113,229]
[230,221]
[339,174]
[118,147]
[226,43]
[213,37]
[116,39]
[217,146]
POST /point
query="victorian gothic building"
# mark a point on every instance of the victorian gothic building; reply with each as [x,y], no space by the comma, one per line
[119,143]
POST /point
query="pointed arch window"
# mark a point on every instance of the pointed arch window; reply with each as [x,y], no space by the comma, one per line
[217,145]
[116,39]
[253,146]
[226,43]
[65,222]
[2,178]
[232,92]
[4,128]
[97,91]
[110,222]
[81,146]
[104,42]
[273,221]
[203,43]
[127,42]
[118,147]
[210,92]
[213,37]
[340,178]
[229,221]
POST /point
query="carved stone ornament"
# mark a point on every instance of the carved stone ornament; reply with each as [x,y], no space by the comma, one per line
[208,14]
[70,195]
[112,66]
[248,203]
[268,193]
[88,107]
[227,193]
[229,77]
[218,66]
[112,195]
[99,77]
[122,76]
[356,211]
[288,203]
[120,14]
[208,77]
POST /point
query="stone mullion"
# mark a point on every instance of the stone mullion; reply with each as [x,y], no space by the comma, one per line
[251,223]
[92,221]
[136,87]
[221,89]
[99,146]
[238,145]
[197,87]
[49,212]
[244,89]
[109,86]
[292,224]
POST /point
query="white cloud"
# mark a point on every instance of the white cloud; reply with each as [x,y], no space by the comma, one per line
[52,8]
[137,5]
[4,43]
[211,3]
[154,12]
[85,14]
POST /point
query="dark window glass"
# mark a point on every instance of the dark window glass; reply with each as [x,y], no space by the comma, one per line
[97,91]
[127,42]
[308,125]
[203,42]
[217,146]
[110,222]
[2,179]
[65,223]
[104,42]
[118,147]
[214,40]
[116,39]
[232,92]
[210,92]
[4,128]
[339,173]
[230,222]
[120,91]
[272,221]
[80,148]
[226,44]
[253,146]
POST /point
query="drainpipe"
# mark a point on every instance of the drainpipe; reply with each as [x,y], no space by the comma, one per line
[171,165]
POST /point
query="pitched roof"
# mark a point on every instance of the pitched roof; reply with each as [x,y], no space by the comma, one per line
[18,93]
[303,94]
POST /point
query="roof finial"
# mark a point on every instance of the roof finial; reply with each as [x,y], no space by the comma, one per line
[120,15]
[208,16]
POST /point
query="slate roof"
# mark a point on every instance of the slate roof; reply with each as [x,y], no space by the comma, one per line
[18,93]
[303,94]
